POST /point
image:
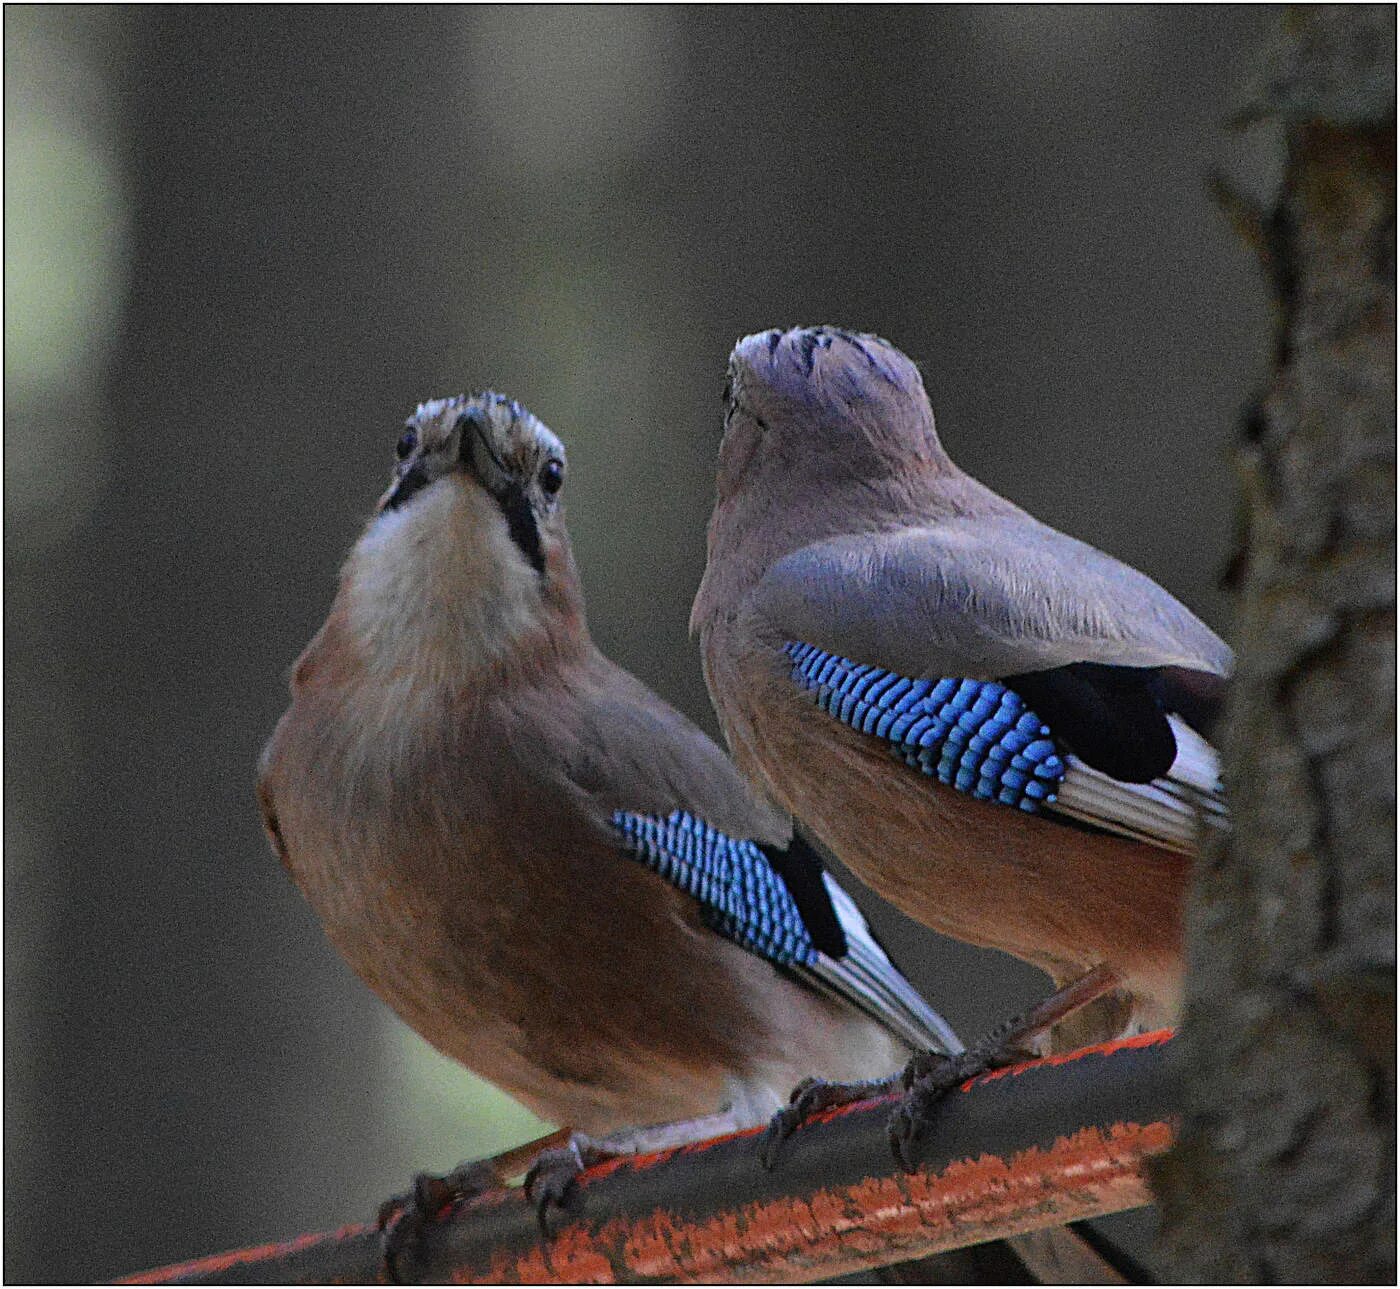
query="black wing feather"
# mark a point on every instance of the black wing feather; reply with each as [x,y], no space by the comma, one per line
[802,872]
[1112,718]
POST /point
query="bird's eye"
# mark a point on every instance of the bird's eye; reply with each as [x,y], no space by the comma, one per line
[408,440]
[552,476]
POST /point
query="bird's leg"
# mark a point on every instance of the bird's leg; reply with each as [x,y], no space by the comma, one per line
[402,1219]
[929,1076]
[809,1097]
[551,1166]
[552,1181]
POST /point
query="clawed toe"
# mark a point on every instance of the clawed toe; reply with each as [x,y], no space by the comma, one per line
[549,1183]
[780,1127]
[929,1076]
[403,1219]
[915,1113]
[928,1079]
[809,1097]
[552,1182]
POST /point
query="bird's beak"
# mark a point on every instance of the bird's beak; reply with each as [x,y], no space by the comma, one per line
[480,456]
[476,453]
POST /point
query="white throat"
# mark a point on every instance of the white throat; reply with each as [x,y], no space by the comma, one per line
[437,589]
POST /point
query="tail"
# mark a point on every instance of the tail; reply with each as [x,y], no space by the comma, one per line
[866,977]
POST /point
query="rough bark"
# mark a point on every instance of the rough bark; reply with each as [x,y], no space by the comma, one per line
[1285,1167]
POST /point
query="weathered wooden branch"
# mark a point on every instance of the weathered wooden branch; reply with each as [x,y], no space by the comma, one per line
[1040,1145]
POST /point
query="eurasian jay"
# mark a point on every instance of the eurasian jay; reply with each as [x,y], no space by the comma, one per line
[551,875]
[1000,728]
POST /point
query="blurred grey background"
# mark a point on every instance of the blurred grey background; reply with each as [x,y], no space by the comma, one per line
[240,245]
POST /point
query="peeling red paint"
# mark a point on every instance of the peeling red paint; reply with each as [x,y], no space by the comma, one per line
[1150,1039]
[257,1253]
[824,1231]
[1085,1175]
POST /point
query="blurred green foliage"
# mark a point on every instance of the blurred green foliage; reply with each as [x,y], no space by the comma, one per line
[442,1110]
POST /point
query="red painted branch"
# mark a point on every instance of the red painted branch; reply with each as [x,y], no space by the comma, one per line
[1039,1145]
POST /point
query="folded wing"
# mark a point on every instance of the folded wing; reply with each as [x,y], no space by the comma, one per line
[779,903]
[986,596]
[983,738]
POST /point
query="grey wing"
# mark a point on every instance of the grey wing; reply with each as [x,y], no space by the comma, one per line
[629,750]
[983,597]
[1097,650]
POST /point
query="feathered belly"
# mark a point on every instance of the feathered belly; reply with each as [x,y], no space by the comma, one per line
[535,989]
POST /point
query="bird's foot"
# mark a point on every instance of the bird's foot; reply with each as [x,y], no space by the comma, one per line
[552,1182]
[403,1219]
[808,1098]
[930,1076]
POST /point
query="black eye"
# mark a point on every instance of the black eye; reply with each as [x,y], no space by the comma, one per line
[408,440]
[552,476]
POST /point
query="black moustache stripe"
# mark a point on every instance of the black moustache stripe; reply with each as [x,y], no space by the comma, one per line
[520,519]
[412,480]
[515,506]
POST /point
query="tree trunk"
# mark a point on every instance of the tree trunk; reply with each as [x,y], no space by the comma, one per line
[1285,1167]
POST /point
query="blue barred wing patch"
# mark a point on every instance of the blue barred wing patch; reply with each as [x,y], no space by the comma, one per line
[739,894]
[974,735]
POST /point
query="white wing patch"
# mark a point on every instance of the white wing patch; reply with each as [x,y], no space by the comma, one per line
[1170,812]
[867,979]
